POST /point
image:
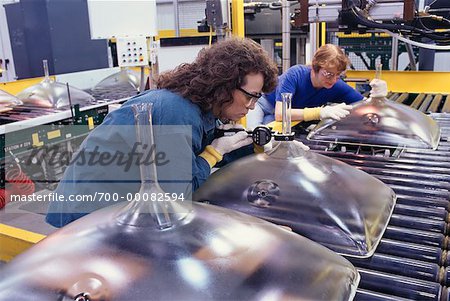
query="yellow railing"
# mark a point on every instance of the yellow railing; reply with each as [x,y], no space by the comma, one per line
[19,85]
[410,81]
[14,241]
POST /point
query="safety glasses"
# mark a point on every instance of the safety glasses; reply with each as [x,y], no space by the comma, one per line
[330,75]
[251,98]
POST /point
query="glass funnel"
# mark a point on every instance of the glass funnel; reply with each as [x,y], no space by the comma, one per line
[8,100]
[51,94]
[323,199]
[124,78]
[380,122]
[143,250]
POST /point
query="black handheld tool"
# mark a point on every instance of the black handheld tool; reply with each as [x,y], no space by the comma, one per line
[261,135]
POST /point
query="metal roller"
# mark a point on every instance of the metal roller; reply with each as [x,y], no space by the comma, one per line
[420,192]
[412,251]
[425,184]
[384,160]
[440,171]
[418,100]
[400,266]
[436,156]
[417,236]
[400,286]
[434,213]
[362,294]
[446,106]
[402,98]
[379,170]
[418,223]
[426,103]
[423,202]
[415,244]
[435,103]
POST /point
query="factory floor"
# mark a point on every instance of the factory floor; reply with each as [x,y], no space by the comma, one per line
[22,224]
[28,216]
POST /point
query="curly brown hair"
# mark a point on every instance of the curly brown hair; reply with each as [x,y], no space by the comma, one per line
[218,70]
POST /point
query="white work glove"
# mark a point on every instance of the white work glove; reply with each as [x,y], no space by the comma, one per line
[227,144]
[301,145]
[335,112]
[379,88]
[229,126]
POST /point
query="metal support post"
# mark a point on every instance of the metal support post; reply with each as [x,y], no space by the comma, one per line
[412,60]
[176,18]
[286,35]
[394,55]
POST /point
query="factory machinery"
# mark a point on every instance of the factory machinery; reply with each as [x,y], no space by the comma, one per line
[412,260]
[28,128]
[424,102]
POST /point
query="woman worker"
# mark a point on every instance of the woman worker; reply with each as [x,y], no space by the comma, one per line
[221,85]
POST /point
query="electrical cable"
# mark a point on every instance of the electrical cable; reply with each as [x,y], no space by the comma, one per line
[414,43]
[19,182]
[3,198]
[391,27]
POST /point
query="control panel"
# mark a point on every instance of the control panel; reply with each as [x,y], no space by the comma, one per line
[132,51]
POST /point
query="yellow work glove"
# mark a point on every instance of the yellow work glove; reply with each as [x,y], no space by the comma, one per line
[214,152]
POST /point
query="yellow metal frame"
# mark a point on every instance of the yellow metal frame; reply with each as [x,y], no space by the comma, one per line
[410,81]
[237,18]
[14,241]
[19,85]
[184,32]
[323,34]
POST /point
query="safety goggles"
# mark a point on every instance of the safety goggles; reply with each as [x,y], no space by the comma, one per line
[251,98]
[330,75]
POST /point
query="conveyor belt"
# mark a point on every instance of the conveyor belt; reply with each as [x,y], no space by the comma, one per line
[412,260]
[24,112]
[424,102]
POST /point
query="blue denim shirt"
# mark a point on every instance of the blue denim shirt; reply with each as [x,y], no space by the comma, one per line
[168,109]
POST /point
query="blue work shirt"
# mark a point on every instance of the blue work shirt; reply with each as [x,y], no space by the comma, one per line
[297,80]
[116,135]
